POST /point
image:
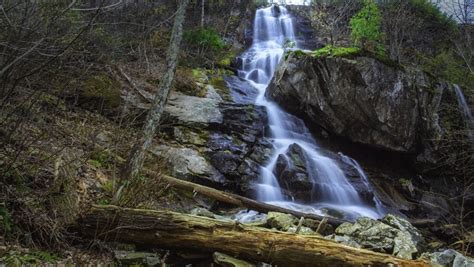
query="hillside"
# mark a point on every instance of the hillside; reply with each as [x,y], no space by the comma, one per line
[236,133]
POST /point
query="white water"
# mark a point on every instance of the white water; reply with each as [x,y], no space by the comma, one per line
[273,28]
[465,110]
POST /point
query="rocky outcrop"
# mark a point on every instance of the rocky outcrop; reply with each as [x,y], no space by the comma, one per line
[213,140]
[363,99]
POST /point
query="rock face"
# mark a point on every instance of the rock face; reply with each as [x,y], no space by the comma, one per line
[214,140]
[362,99]
[390,235]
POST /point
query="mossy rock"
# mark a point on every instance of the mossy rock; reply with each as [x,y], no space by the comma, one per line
[351,52]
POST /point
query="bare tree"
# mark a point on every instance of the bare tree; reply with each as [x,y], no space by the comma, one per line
[330,17]
[463,12]
[138,154]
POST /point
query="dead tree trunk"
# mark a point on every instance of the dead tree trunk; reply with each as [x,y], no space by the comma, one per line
[137,156]
[239,201]
[166,229]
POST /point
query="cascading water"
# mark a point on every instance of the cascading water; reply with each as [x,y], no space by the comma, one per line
[273,29]
[466,111]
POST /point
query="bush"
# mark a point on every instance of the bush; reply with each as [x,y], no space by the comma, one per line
[205,37]
[365,25]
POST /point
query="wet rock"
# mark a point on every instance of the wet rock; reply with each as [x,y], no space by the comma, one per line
[261,151]
[281,221]
[242,91]
[362,99]
[219,142]
[349,167]
[450,257]
[245,121]
[251,217]
[396,236]
[292,174]
[225,162]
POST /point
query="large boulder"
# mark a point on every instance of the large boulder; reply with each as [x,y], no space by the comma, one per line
[390,235]
[292,174]
[362,99]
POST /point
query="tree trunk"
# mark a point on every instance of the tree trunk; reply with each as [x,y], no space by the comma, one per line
[138,154]
[166,229]
[202,13]
[239,201]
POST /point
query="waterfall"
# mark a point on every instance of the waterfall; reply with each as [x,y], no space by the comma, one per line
[465,110]
[273,29]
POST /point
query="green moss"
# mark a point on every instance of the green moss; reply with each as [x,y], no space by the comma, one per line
[346,52]
[337,51]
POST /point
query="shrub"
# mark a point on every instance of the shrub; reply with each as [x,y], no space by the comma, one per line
[206,38]
[365,25]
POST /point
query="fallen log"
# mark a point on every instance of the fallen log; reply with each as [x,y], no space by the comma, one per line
[240,201]
[171,230]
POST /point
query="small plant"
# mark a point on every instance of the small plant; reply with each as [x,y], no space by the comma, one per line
[365,26]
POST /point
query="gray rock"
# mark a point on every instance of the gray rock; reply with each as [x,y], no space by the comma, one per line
[450,258]
[129,258]
[303,230]
[281,221]
[187,163]
[364,100]
[212,93]
[406,227]
[400,238]
[193,110]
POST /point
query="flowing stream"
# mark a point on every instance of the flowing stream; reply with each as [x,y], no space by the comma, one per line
[273,31]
